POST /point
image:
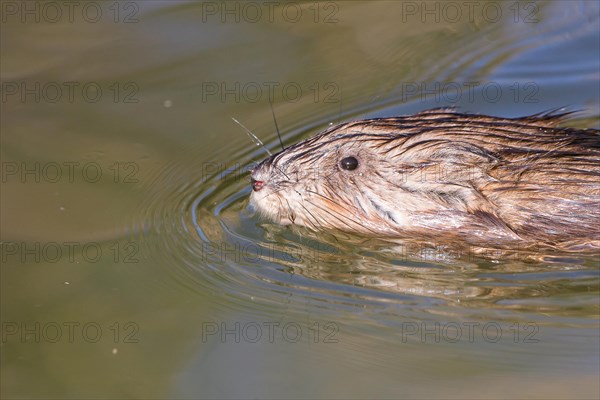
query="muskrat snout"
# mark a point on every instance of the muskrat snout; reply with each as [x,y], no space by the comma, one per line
[256,185]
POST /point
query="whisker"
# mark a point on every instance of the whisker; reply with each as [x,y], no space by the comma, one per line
[317,223]
[273,192]
[341,101]
[336,212]
[331,212]
[252,136]
[276,127]
[291,213]
[283,173]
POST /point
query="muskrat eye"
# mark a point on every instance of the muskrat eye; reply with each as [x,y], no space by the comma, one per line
[349,163]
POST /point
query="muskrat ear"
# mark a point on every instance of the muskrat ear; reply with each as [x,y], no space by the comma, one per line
[349,163]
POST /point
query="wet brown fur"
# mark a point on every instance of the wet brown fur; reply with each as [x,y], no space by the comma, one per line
[484,180]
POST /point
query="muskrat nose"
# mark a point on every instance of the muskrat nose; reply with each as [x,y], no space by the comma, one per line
[256,185]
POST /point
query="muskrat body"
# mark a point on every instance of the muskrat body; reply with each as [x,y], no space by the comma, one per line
[439,174]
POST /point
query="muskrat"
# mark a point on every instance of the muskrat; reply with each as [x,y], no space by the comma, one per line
[482,180]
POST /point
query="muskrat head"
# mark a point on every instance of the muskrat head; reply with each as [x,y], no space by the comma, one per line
[345,178]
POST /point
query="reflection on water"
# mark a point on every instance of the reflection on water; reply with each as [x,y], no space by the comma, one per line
[194,295]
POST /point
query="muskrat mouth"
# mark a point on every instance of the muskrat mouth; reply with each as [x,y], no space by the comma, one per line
[256,185]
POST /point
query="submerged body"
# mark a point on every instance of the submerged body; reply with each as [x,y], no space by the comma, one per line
[481,180]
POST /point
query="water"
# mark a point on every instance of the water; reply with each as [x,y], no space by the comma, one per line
[132,266]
